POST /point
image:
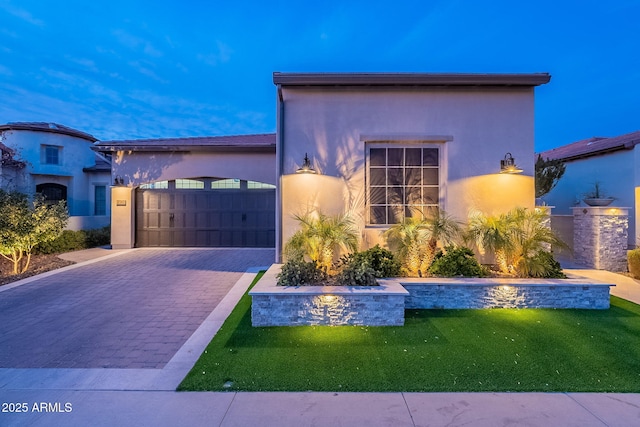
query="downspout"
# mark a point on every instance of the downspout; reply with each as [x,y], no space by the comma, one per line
[279,169]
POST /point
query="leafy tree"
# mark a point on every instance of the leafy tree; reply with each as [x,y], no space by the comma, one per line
[548,173]
[25,223]
[320,236]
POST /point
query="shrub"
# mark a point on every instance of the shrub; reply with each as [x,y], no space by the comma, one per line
[24,223]
[298,272]
[457,261]
[542,265]
[381,260]
[633,259]
[75,240]
[358,273]
[98,237]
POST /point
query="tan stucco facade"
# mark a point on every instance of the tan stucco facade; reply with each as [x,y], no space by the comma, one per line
[473,127]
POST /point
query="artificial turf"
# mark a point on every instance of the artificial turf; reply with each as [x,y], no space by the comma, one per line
[436,350]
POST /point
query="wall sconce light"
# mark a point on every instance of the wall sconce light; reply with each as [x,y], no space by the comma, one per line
[306,166]
[118,181]
[508,165]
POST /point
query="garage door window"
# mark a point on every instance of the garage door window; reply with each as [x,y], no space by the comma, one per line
[225,184]
[255,185]
[158,185]
[189,184]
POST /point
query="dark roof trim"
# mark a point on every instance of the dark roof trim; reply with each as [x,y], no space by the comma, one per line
[236,143]
[409,79]
[48,127]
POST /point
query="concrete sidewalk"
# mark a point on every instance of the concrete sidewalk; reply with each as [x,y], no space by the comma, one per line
[145,397]
[147,408]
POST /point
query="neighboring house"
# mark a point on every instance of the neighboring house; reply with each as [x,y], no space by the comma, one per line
[386,146]
[58,162]
[614,163]
[205,191]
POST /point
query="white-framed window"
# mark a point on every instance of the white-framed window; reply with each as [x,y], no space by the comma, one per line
[403,180]
[51,154]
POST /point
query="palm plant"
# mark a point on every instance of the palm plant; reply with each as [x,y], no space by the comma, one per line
[516,238]
[415,240]
[532,237]
[320,236]
[493,234]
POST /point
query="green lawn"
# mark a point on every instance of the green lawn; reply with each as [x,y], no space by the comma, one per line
[436,350]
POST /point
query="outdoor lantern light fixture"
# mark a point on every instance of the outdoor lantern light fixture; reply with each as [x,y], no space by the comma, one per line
[118,181]
[306,166]
[508,165]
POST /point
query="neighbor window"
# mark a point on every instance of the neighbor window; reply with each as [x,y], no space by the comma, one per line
[53,193]
[403,181]
[100,194]
[51,154]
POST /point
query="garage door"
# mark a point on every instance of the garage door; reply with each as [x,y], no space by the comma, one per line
[206,212]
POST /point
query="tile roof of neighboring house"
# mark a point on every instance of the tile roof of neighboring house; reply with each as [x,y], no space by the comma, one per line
[47,127]
[593,147]
[409,79]
[254,142]
[102,165]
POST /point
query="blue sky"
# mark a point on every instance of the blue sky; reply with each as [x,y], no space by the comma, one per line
[144,69]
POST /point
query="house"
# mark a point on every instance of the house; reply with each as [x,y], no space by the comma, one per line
[57,161]
[613,163]
[385,146]
[204,191]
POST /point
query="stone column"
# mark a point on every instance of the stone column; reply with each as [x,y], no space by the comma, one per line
[600,237]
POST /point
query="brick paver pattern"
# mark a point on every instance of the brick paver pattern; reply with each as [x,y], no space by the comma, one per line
[130,311]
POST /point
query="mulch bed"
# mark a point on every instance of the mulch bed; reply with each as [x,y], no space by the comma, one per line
[39,264]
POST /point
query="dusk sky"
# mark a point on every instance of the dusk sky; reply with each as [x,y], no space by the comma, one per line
[144,69]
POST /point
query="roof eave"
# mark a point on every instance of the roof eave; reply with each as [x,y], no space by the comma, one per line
[409,79]
[183,149]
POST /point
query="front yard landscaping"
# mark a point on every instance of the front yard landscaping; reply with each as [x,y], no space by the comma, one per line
[436,350]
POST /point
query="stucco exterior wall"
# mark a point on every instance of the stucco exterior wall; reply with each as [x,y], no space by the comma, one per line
[617,174]
[138,168]
[333,125]
[145,167]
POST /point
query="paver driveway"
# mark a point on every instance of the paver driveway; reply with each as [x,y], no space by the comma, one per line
[129,311]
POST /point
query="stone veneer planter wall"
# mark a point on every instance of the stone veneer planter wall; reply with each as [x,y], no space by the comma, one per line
[462,293]
[384,305]
[273,305]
